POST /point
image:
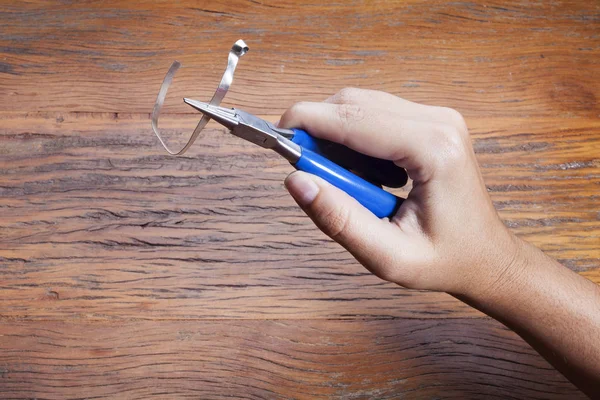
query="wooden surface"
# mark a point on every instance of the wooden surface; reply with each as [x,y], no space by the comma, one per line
[128,273]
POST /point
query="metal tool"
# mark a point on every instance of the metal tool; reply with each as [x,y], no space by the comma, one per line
[238,50]
[330,161]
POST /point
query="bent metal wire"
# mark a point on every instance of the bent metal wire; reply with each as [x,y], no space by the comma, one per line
[238,49]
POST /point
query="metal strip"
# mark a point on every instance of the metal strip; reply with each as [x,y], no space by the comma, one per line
[238,49]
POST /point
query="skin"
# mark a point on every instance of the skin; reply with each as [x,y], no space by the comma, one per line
[447,235]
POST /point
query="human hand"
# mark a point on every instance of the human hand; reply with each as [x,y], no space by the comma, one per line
[446,236]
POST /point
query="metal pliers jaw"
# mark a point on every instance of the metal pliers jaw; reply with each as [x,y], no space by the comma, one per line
[252,129]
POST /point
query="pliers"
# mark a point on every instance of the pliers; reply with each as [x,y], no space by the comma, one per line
[330,161]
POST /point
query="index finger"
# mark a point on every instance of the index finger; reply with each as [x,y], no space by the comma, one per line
[413,145]
[399,106]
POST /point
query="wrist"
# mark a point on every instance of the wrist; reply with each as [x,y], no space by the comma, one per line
[498,271]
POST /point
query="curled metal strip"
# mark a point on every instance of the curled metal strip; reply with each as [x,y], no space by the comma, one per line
[239,49]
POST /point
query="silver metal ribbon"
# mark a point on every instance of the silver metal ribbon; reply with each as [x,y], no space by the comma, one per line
[239,49]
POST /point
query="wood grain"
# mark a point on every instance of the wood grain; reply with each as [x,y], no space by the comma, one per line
[126,273]
[417,359]
[502,58]
[100,223]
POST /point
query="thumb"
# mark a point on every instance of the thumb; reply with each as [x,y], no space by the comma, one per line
[369,239]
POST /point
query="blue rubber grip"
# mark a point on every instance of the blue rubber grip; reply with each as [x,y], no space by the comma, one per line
[378,201]
[374,170]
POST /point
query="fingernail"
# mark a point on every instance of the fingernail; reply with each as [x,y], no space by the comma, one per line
[302,188]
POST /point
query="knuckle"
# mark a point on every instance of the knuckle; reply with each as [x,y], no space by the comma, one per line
[450,146]
[350,114]
[335,223]
[456,119]
[348,95]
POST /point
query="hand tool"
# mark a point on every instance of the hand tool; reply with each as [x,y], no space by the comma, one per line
[328,160]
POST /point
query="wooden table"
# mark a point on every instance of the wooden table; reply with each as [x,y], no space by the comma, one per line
[128,273]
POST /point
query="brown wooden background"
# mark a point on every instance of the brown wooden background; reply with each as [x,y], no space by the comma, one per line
[128,273]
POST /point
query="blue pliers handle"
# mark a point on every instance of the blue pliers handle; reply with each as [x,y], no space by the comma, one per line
[375,170]
[330,161]
[312,160]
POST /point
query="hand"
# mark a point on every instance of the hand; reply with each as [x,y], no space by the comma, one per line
[446,235]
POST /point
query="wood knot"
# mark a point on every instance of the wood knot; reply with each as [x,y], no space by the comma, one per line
[51,295]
